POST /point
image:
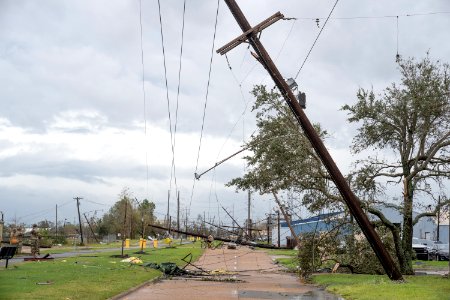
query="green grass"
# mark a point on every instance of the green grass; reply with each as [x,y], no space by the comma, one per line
[290,263]
[432,264]
[366,287]
[286,252]
[72,248]
[88,276]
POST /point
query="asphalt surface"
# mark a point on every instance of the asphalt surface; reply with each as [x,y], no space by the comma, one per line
[241,273]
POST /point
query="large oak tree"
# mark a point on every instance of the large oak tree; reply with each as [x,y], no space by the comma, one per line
[409,123]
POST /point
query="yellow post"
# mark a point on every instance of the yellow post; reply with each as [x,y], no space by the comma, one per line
[144,243]
[127,243]
[155,243]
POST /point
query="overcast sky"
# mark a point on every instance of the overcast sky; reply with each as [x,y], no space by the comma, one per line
[73,120]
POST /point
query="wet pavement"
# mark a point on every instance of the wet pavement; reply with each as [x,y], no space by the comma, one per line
[241,273]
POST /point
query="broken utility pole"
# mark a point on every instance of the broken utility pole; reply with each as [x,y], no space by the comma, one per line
[249,220]
[204,236]
[287,219]
[79,219]
[353,203]
[90,227]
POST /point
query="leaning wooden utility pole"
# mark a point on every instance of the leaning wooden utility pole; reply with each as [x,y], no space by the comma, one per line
[287,219]
[79,219]
[249,220]
[353,203]
[178,211]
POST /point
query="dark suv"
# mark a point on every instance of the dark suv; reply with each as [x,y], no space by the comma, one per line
[439,251]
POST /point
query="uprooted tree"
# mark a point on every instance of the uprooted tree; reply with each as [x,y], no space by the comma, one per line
[410,124]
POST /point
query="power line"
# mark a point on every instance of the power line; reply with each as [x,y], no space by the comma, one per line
[93,202]
[398,55]
[246,102]
[167,88]
[178,95]
[318,35]
[377,17]
[206,101]
[277,56]
[43,212]
[282,47]
[143,92]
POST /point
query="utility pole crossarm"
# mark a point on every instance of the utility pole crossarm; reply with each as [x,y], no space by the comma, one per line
[197,176]
[349,197]
[243,37]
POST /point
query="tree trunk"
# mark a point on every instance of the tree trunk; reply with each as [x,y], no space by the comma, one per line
[406,266]
[288,222]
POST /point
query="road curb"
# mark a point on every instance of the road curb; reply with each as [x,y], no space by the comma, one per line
[133,289]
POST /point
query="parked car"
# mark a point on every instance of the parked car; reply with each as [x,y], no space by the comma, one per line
[440,251]
[428,243]
[422,252]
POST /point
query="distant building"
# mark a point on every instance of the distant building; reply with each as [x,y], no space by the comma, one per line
[319,223]
[426,228]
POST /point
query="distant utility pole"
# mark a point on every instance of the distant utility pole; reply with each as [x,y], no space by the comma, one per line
[249,221]
[186,220]
[233,217]
[438,218]
[56,221]
[168,207]
[278,226]
[178,211]
[448,207]
[124,224]
[79,218]
[250,34]
[170,224]
[90,227]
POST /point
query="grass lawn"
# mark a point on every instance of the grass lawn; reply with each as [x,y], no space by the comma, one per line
[287,252]
[365,287]
[71,248]
[87,276]
[432,264]
[290,261]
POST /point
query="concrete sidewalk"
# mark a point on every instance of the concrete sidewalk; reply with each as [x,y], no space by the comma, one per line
[249,274]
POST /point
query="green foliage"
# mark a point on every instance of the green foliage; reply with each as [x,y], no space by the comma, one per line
[282,157]
[309,254]
[360,256]
[127,216]
[411,120]
[59,240]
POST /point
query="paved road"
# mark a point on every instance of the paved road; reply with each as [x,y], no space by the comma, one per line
[249,274]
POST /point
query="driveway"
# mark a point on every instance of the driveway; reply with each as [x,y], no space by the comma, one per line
[246,274]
